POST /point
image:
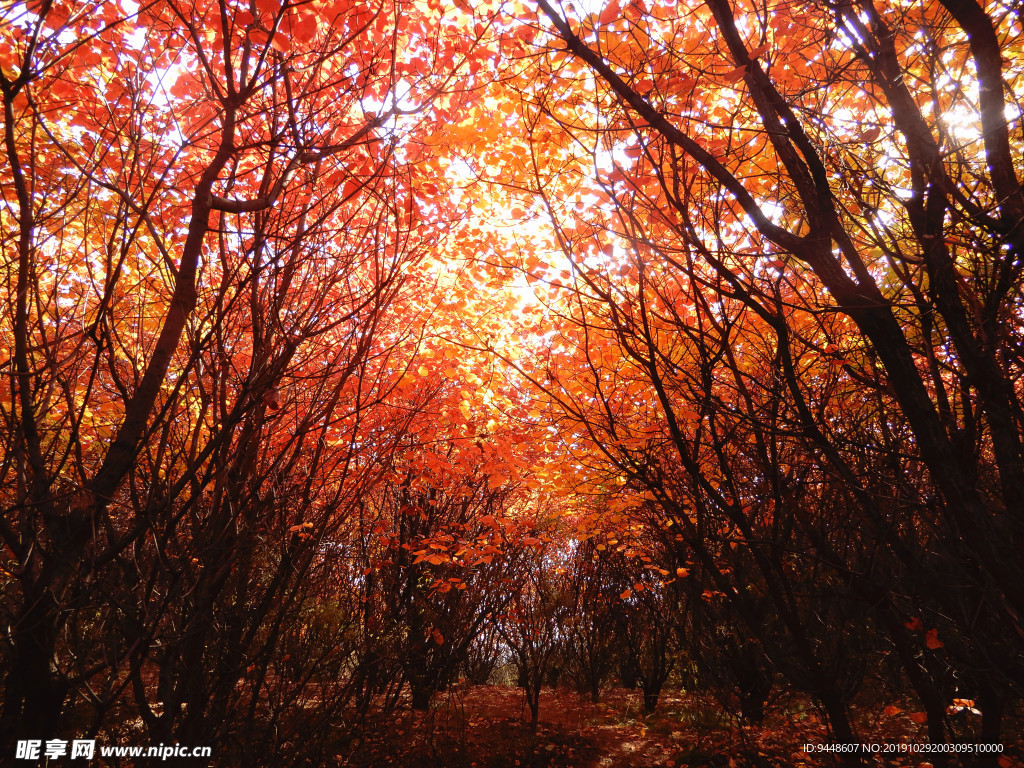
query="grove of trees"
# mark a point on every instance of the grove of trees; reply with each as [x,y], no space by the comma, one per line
[352,347]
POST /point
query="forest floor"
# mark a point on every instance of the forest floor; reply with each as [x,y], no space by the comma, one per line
[488,727]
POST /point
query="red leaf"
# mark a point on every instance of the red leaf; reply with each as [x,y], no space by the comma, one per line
[526,33]
[871,134]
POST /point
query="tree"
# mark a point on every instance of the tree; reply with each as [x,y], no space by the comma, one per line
[761,265]
[781,266]
[589,646]
[210,213]
[531,624]
[436,585]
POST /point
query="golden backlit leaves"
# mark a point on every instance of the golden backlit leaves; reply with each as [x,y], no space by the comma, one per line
[535,199]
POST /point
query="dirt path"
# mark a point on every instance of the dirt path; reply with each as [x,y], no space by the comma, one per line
[488,727]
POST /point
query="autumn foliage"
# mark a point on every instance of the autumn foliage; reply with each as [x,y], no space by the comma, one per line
[351,349]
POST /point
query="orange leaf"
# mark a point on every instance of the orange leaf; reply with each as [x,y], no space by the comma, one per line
[918,717]
[611,13]
[760,51]
[931,639]
[735,75]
